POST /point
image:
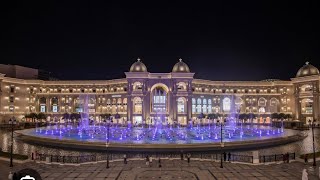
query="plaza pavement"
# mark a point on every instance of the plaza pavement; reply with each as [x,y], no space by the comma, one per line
[171,169]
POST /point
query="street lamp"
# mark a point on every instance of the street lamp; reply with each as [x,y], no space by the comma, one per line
[312,124]
[222,123]
[107,145]
[12,121]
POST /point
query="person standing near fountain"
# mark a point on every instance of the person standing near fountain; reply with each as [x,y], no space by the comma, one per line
[125,158]
[147,160]
[150,161]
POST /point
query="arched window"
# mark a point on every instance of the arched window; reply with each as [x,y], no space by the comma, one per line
[204,106]
[181,105]
[274,103]
[108,102]
[209,106]
[307,106]
[262,110]
[137,86]
[193,101]
[137,105]
[159,101]
[124,101]
[193,105]
[182,86]
[262,102]
[226,104]
[42,103]
[306,88]
[54,104]
[119,101]
[199,101]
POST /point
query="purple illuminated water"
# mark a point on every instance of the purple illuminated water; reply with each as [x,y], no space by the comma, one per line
[164,134]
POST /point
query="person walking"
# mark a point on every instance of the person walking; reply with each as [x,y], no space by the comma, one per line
[147,160]
[224,156]
[150,161]
[188,157]
[159,161]
[10,176]
[125,158]
[305,158]
[181,155]
[229,157]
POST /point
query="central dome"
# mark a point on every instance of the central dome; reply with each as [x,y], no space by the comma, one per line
[180,67]
[138,67]
[307,70]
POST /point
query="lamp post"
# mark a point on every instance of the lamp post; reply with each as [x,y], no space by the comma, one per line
[311,123]
[12,121]
[107,145]
[221,138]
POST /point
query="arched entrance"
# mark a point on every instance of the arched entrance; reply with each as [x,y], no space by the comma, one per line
[159,103]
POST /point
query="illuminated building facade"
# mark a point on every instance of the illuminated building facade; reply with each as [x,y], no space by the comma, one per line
[171,97]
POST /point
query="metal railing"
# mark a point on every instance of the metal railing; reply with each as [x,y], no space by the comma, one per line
[277,157]
[115,156]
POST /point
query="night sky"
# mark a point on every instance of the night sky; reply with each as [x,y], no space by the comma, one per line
[219,41]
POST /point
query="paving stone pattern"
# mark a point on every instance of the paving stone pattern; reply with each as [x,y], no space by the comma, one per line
[171,169]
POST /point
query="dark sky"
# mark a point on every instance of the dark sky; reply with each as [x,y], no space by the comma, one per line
[219,41]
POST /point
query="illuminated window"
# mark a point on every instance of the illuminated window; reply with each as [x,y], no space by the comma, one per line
[181,105]
[209,106]
[137,105]
[226,104]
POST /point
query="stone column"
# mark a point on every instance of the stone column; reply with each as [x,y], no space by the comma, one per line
[297,107]
[316,106]
[189,107]
[129,107]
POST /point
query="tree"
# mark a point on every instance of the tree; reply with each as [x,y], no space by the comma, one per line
[288,116]
[212,116]
[282,116]
[243,116]
[75,116]
[200,116]
[106,116]
[66,116]
[274,116]
[33,116]
[42,116]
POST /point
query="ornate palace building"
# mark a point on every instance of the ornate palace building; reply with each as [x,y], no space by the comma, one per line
[173,97]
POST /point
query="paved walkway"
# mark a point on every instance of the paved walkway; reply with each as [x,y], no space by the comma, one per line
[171,169]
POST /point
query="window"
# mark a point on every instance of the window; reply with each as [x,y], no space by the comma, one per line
[159,100]
[204,107]
[181,105]
[262,102]
[226,104]
[209,106]
[11,108]
[54,108]
[42,108]
[11,99]
[137,105]
[12,89]
[262,110]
